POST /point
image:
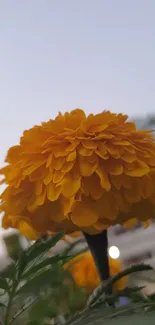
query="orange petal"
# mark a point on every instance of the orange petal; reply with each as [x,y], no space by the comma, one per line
[91,185]
[74,143]
[128,158]
[48,178]
[115,167]
[133,195]
[70,186]
[38,187]
[104,156]
[108,206]
[12,154]
[82,215]
[100,226]
[40,199]
[88,165]
[58,176]
[147,184]
[32,206]
[113,150]
[67,204]
[53,192]
[37,174]
[27,230]
[104,180]
[139,169]
[84,151]
[89,144]
[33,167]
[71,156]
[67,166]
[56,212]
[121,142]
[49,160]
[130,223]
[123,205]
[58,163]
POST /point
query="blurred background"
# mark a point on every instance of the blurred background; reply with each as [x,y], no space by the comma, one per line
[60,55]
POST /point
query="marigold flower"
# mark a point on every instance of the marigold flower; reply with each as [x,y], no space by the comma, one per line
[78,173]
[84,272]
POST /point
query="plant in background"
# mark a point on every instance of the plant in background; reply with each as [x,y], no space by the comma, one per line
[84,272]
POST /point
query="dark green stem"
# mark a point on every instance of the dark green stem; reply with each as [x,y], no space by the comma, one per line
[98,245]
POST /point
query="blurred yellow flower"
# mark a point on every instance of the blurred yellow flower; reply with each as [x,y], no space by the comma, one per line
[78,173]
[84,272]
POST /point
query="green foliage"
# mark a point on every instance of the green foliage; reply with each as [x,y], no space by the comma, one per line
[35,290]
[102,317]
[106,286]
[22,282]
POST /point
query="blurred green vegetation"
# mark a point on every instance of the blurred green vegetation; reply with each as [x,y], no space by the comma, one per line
[35,289]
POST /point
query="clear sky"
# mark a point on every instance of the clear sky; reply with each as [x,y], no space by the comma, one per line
[57,55]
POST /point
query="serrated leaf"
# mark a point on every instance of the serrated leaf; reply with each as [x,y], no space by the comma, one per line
[4,284]
[106,286]
[112,299]
[127,292]
[130,270]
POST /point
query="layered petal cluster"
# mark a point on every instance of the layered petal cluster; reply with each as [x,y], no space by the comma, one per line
[85,275]
[79,173]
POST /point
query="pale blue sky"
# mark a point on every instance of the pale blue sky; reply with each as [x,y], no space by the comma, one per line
[62,54]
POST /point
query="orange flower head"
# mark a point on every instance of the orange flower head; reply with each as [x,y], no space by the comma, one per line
[78,173]
[84,272]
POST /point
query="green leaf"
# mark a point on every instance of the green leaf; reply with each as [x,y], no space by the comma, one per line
[4,284]
[22,309]
[127,292]
[130,270]
[98,318]
[45,278]
[112,299]
[21,263]
[41,247]
[48,261]
[106,286]
[107,315]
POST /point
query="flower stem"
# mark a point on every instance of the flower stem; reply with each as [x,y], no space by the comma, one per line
[98,245]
